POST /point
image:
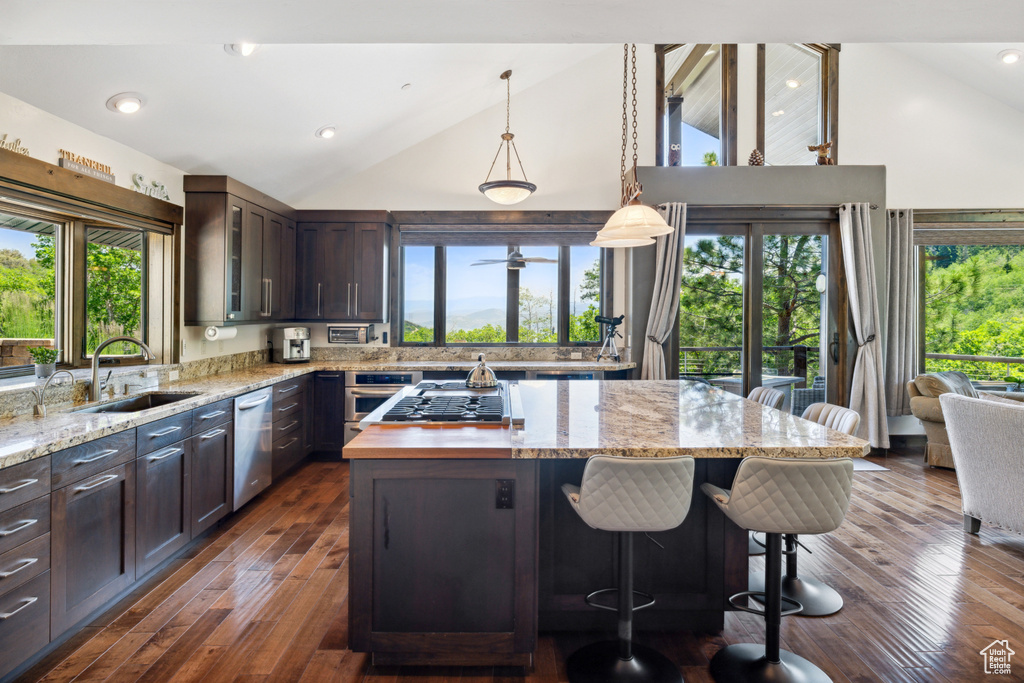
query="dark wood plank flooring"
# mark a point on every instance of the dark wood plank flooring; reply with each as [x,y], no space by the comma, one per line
[263,598]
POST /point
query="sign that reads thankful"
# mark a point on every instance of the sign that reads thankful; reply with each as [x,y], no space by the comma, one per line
[85,166]
[12,145]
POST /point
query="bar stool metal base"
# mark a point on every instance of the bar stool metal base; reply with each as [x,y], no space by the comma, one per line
[753,547]
[600,663]
[746,663]
[818,599]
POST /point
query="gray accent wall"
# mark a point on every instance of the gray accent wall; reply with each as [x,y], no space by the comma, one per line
[753,186]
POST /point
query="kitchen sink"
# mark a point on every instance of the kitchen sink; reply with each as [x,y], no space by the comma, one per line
[136,403]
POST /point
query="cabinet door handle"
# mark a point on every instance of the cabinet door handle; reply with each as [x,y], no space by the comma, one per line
[25,564]
[285,409]
[23,524]
[8,615]
[357,299]
[98,456]
[287,390]
[253,403]
[288,426]
[102,480]
[328,376]
[318,288]
[27,482]
[371,392]
[210,416]
[166,453]
[270,297]
[164,432]
[210,435]
[348,302]
[293,440]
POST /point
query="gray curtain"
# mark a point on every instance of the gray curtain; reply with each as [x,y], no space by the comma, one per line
[665,299]
[867,393]
[901,310]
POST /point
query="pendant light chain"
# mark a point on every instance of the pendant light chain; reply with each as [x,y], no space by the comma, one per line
[508,102]
[625,73]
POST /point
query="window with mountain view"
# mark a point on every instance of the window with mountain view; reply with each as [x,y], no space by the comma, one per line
[28,278]
[974,306]
[498,294]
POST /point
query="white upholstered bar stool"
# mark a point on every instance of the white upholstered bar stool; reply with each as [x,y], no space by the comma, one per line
[818,599]
[778,496]
[767,396]
[773,398]
[625,496]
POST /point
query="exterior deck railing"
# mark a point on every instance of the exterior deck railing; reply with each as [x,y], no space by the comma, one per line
[977,372]
[696,368]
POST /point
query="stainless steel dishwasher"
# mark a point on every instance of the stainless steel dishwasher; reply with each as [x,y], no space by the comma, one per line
[253,434]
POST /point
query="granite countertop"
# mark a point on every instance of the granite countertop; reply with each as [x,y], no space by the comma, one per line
[24,438]
[630,418]
[661,419]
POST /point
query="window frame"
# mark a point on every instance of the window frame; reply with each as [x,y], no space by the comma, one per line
[439,229]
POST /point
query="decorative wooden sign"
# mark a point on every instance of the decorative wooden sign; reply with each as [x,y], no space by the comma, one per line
[85,166]
[12,145]
[152,188]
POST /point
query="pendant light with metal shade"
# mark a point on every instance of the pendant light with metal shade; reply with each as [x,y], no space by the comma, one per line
[507,191]
[635,224]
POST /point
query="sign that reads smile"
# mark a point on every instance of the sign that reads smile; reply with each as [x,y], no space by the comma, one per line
[85,166]
[12,145]
[151,188]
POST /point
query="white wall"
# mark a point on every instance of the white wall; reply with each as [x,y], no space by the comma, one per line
[568,131]
[944,143]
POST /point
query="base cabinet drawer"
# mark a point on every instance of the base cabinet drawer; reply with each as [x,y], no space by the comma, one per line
[23,523]
[24,622]
[24,563]
[22,483]
[287,453]
[92,529]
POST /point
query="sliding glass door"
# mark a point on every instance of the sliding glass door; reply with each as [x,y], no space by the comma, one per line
[761,304]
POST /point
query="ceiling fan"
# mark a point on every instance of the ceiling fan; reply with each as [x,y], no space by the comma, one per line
[515,261]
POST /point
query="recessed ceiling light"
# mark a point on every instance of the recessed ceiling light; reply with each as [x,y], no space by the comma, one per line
[793,83]
[406,86]
[326,132]
[1009,56]
[241,49]
[778,112]
[125,103]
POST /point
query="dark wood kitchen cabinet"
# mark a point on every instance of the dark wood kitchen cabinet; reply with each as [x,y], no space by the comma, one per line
[328,411]
[239,253]
[163,510]
[442,572]
[291,413]
[93,544]
[342,266]
[212,468]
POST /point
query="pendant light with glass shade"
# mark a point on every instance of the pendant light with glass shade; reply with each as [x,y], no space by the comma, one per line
[635,224]
[507,191]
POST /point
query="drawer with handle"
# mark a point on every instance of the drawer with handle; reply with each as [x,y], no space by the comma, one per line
[212,415]
[24,622]
[287,410]
[164,432]
[288,390]
[290,425]
[23,523]
[22,564]
[78,462]
[21,483]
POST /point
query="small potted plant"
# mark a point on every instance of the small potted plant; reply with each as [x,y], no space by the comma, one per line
[45,360]
[1015,381]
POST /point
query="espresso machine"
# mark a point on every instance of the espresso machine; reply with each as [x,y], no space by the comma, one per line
[291,345]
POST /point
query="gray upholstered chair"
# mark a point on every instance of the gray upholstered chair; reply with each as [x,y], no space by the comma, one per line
[778,496]
[625,496]
[925,391]
[987,443]
[773,398]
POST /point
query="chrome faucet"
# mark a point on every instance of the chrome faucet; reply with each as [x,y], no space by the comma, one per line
[40,409]
[94,388]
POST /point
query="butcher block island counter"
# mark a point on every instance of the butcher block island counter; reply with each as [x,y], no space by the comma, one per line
[463,546]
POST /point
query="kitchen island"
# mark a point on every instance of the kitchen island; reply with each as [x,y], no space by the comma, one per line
[463,546]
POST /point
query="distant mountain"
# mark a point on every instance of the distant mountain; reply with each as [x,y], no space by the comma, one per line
[475,319]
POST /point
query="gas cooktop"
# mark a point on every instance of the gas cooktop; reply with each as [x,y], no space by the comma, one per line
[448,402]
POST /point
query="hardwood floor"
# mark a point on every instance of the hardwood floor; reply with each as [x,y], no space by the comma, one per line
[264,598]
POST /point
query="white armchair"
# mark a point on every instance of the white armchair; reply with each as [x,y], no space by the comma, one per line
[987,441]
